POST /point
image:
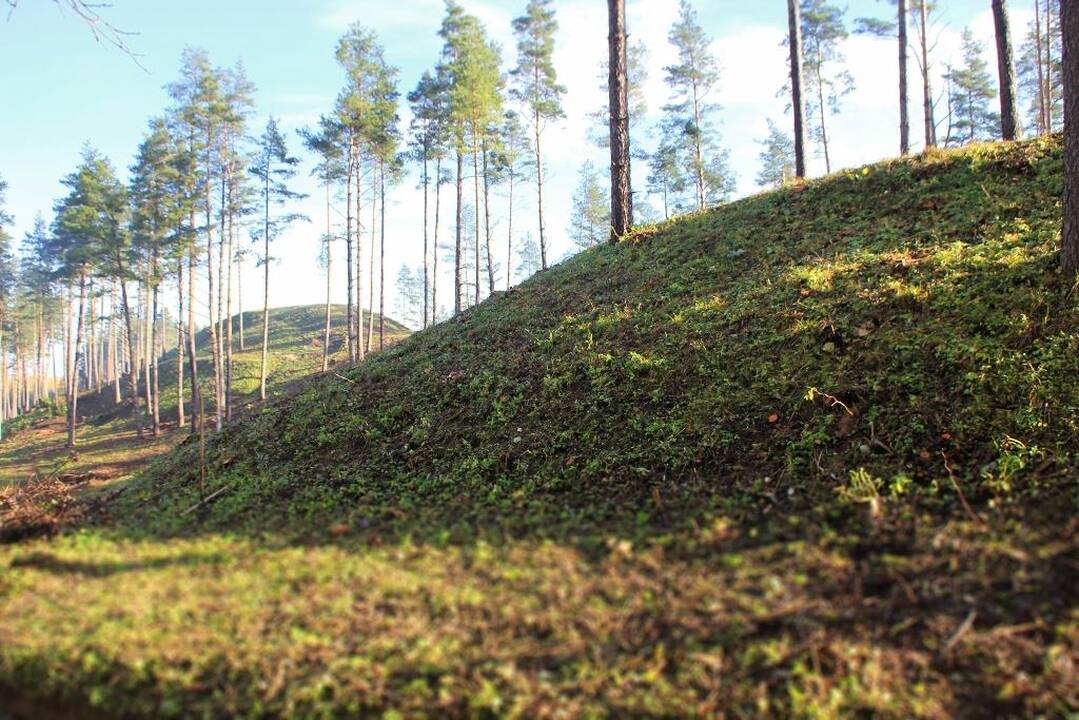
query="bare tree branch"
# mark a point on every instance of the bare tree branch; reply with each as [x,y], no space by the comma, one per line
[102,30]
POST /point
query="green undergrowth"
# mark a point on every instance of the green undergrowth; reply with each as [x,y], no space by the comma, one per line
[811,454]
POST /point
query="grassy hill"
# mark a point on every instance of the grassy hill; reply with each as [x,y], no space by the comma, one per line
[108,448]
[810,454]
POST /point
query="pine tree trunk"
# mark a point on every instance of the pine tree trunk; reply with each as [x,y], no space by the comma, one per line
[476,209]
[210,298]
[487,221]
[364,346]
[381,254]
[351,338]
[698,154]
[536,120]
[240,299]
[1048,65]
[927,91]
[509,235]
[1006,69]
[621,198]
[147,350]
[132,348]
[180,419]
[904,110]
[794,27]
[371,263]
[1043,125]
[229,266]
[192,347]
[1069,21]
[329,276]
[457,246]
[265,289]
[426,268]
[434,241]
[73,385]
[823,114]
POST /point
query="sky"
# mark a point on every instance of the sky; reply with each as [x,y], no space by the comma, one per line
[61,89]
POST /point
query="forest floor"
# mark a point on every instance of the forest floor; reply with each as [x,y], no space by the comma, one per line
[812,454]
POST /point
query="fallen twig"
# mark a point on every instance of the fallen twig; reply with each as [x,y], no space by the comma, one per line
[208,498]
[962,498]
[960,631]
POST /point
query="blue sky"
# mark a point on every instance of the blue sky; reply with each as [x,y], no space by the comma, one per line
[60,89]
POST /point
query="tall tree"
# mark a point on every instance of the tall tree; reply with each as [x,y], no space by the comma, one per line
[87,231]
[536,86]
[428,132]
[471,63]
[797,83]
[154,188]
[1069,23]
[590,219]
[514,145]
[776,157]
[896,30]
[922,11]
[7,282]
[1009,113]
[618,102]
[688,116]
[972,91]
[827,82]
[274,167]
[1038,69]
[325,141]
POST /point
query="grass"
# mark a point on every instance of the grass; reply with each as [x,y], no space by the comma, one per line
[811,454]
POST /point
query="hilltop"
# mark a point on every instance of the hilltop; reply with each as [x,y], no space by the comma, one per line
[808,454]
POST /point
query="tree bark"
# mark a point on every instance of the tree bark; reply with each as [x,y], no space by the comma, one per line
[1009,113]
[181,421]
[927,91]
[476,208]
[426,268]
[457,248]
[381,254]
[350,334]
[904,109]
[509,233]
[434,241]
[794,28]
[371,264]
[364,346]
[487,220]
[265,287]
[539,189]
[132,348]
[73,385]
[621,198]
[1069,21]
[1043,125]
[329,276]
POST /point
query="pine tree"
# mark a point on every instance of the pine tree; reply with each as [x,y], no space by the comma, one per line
[823,32]
[89,236]
[590,220]
[896,30]
[1009,114]
[777,158]
[325,141]
[428,140]
[796,81]
[7,282]
[273,169]
[618,104]
[971,92]
[536,86]
[155,213]
[667,179]
[922,12]
[512,168]
[1069,24]
[528,258]
[688,117]
[471,64]
[1038,69]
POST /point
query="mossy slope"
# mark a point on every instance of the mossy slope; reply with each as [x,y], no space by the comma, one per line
[811,454]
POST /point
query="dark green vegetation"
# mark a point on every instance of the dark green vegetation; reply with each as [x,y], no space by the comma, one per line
[810,454]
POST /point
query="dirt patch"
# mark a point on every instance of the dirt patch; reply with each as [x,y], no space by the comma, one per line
[39,507]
